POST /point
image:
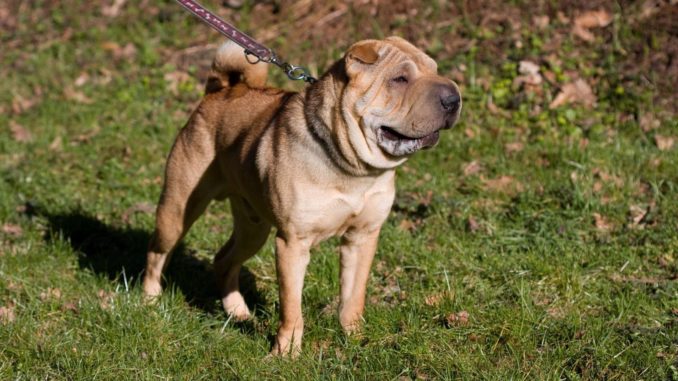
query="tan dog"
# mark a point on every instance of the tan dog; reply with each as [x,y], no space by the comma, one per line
[314,164]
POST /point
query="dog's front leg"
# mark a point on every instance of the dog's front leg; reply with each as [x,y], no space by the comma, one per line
[357,252]
[292,257]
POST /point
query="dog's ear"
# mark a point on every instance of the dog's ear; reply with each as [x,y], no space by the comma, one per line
[364,52]
[360,54]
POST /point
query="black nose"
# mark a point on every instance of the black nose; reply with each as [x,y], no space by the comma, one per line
[450,100]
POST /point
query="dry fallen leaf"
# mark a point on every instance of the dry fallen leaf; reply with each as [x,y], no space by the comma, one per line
[637,215]
[589,20]
[602,224]
[87,136]
[648,122]
[82,79]
[13,230]
[529,74]
[114,9]
[472,168]
[435,299]
[77,96]
[541,22]
[574,92]
[50,293]
[407,225]
[105,299]
[126,52]
[457,318]
[513,147]
[19,133]
[502,184]
[7,314]
[472,224]
[55,145]
[664,143]
[21,104]
[70,306]
[608,178]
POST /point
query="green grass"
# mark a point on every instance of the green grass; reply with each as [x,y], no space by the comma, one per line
[549,294]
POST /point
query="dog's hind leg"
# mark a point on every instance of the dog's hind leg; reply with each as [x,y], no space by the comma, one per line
[190,185]
[249,235]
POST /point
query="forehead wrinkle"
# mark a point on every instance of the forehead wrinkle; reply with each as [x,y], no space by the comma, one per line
[411,52]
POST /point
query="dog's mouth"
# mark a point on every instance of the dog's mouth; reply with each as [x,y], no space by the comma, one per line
[397,144]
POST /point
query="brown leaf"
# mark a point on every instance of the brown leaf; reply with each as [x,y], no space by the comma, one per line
[555,312]
[608,178]
[513,147]
[114,9]
[494,110]
[105,299]
[19,133]
[13,230]
[77,96]
[574,92]
[503,184]
[21,104]
[602,224]
[472,224]
[638,216]
[407,225]
[541,22]
[648,122]
[143,207]
[82,79]
[590,20]
[7,313]
[70,306]
[664,143]
[126,52]
[472,168]
[87,136]
[436,299]
[50,293]
[529,74]
[55,145]
[457,318]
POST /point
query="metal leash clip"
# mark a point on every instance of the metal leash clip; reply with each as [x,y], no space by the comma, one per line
[293,72]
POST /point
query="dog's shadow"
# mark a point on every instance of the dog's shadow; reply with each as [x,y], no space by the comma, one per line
[119,253]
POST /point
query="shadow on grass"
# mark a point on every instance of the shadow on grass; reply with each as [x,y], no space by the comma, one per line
[114,250]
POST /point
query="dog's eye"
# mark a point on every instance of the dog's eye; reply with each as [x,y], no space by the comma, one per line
[400,79]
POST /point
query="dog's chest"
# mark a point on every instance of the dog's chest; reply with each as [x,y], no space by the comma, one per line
[325,210]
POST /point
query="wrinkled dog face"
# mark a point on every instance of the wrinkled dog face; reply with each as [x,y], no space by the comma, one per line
[398,98]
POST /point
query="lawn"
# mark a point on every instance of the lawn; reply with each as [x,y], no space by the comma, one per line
[538,240]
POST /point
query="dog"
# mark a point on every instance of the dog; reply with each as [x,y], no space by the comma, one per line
[313,164]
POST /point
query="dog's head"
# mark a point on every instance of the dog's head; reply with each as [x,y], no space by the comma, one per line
[398,100]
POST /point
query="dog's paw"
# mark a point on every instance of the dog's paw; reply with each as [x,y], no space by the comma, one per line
[152,291]
[234,305]
[285,349]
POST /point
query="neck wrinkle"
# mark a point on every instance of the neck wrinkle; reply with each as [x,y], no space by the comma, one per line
[322,112]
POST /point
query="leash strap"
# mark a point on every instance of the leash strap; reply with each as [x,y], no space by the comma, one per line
[251,46]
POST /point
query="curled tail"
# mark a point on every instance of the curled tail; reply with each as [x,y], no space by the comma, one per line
[230,67]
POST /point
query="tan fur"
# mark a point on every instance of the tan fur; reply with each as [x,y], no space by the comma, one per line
[314,164]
